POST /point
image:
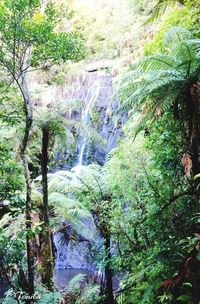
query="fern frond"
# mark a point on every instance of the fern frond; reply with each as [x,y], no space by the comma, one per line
[16,225]
[48,297]
[5,220]
[160,78]
[68,206]
[90,294]
[160,8]
[37,196]
[62,181]
[147,86]
[75,282]
[156,62]
[175,36]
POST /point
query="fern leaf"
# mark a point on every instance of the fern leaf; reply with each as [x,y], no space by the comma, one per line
[75,282]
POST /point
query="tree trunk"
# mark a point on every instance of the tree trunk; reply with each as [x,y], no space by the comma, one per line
[195,129]
[28,123]
[193,116]
[30,257]
[45,237]
[196,285]
[108,272]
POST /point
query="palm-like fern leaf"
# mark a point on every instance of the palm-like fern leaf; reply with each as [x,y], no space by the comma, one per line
[16,225]
[63,202]
[68,207]
[160,8]
[157,80]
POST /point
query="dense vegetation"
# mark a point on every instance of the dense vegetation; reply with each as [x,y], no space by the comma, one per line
[145,199]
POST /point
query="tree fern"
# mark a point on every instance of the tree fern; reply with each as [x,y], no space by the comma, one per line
[64,205]
[52,120]
[68,207]
[158,80]
[76,180]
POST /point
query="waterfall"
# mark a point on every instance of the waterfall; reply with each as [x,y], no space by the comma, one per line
[95,90]
[91,97]
[82,149]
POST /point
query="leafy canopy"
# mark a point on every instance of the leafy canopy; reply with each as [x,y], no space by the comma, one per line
[27,24]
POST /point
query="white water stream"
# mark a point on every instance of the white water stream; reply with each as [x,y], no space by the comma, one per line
[91,97]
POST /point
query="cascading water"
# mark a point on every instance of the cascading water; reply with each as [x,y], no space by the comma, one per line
[91,97]
[82,149]
[96,91]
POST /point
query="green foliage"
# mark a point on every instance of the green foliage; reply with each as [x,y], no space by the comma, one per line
[12,248]
[161,7]
[89,295]
[154,77]
[149,248]
[108,34]
[10,173]
[63,46]
[178,17]
[11,181]
[76,281]
[184,16]
[64,204]
[24,25]
[48,297]
[95,116]
[194,8]
[140,197]
[80,292]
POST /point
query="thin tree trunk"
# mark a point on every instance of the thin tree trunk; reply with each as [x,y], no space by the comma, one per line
[195,129]
[193,116]
[28,123]
[108,272]
[195,287]
[45,237]
[30,258]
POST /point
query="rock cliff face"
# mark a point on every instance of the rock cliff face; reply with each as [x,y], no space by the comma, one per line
[98,110]
[99,106]
[73,256]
